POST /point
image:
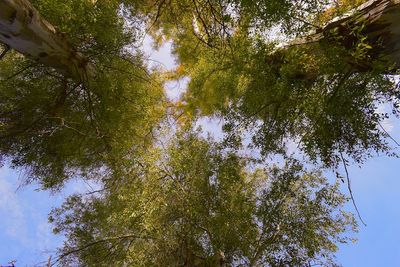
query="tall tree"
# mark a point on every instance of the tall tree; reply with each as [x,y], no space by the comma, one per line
[77,50]
[82,102]
[197,204]
[280,90]
[58,122]
[25,30]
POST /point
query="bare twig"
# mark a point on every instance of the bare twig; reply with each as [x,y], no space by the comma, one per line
[18,72]
[4,52]
[394,140]
[350,191]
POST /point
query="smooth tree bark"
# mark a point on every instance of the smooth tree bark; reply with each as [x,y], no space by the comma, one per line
[23,29]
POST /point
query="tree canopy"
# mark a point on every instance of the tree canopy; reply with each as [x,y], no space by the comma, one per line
[78,99]
[58,127]
[198,205]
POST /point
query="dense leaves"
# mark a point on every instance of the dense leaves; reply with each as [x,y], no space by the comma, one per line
[57,128]
[237,72]
[280,92]
[294,95]
[197,202]
[201,206]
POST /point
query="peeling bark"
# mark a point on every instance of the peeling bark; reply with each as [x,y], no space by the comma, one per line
[24,30]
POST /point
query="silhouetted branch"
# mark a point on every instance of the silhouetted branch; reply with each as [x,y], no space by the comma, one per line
[4,52]
[350,191]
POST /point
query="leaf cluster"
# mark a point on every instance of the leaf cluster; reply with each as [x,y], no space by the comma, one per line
[198,205]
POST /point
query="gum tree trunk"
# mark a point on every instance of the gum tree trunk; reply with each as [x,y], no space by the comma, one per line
[380,22]
[24,30]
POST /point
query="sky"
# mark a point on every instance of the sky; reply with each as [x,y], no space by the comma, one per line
[25,234]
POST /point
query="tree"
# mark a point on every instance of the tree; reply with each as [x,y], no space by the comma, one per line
[236,70]
[82,102]
[57,125]
[23,29]
[290,91]
[196,204]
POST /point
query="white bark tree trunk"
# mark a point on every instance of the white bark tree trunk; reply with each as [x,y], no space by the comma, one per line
[24,30]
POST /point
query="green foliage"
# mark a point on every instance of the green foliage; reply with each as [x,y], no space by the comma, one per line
[235,71]
[95,28]
[197,204]
[295,94]
[56,128]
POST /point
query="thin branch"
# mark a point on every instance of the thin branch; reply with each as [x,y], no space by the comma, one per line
[96,191]
[204,24]
[4,52]
[350,191]
[18,72]
[307,23]
[73,251]
[128,72]
[49,262]
[394,140]
[158,15]
[90,105]
[73,129]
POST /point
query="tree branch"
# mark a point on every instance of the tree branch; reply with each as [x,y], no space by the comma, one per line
[5,50]
[73,251]
[350,191]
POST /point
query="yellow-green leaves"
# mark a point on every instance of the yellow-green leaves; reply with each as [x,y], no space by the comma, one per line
[194,202]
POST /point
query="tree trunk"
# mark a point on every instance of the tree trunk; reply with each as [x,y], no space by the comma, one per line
[24,30]
[380,22]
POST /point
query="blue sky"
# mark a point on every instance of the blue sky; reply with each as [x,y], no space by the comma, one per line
[26,236]
[24,231]
[377,191]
